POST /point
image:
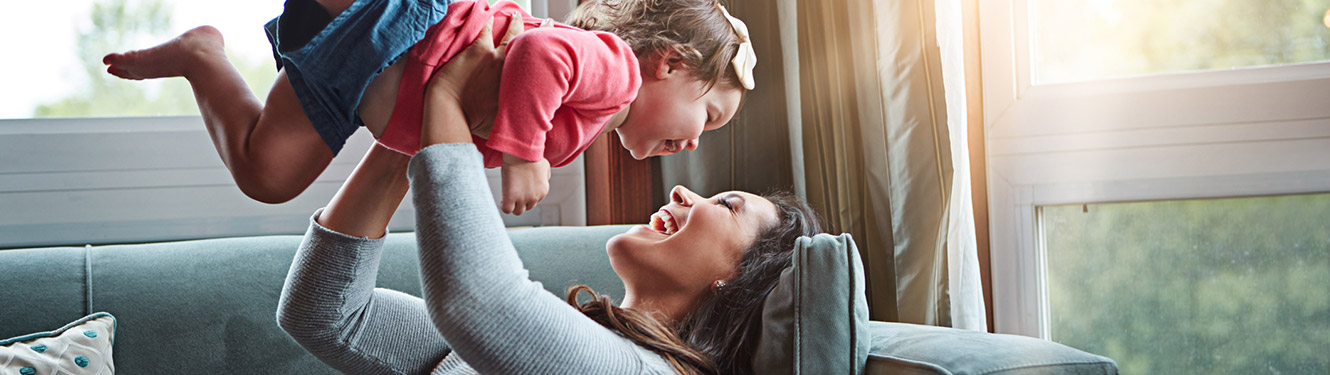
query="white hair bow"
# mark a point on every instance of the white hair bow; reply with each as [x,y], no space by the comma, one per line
[746,59]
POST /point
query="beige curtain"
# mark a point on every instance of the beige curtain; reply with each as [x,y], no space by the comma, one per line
[859,110]
[752,152]
[876,96]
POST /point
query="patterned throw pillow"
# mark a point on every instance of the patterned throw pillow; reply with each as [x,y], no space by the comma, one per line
[81,347]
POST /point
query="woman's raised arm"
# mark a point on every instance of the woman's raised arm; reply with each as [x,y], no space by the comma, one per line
[478,293]
[329,303]
[368,198]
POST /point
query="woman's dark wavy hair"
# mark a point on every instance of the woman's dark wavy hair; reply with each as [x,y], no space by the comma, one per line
[721,333]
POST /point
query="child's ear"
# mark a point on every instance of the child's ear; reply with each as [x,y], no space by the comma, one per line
[668,63]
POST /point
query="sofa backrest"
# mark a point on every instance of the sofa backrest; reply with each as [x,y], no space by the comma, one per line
[209,306]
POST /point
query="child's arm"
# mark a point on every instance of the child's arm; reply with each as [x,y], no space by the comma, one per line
[478,294]
[525,183]
[574,78]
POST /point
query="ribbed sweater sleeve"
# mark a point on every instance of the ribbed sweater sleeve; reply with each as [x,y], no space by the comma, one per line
[330,306]
[478,293]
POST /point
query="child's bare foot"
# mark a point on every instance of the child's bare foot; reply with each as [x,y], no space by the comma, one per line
[175,58]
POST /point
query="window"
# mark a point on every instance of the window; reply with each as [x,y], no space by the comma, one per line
[69,38]
[1080,40]
[1095,110]
[1202,286]
[90,158]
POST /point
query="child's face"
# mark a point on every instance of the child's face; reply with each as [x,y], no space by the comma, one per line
[672,110]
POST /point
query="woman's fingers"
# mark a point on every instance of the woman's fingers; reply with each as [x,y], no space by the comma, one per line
[486,37]
[515,26]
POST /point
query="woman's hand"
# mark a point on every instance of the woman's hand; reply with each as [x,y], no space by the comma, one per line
[368,198]
[465,90]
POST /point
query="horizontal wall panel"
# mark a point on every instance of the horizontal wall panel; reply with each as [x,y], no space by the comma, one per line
[125,180]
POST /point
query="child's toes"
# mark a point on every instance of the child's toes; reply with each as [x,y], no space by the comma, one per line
[118,72]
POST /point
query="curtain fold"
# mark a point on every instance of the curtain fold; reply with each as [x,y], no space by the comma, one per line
[752,152]
[860,109]
[879,109]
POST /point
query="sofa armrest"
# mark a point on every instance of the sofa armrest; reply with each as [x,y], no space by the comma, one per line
[900,348]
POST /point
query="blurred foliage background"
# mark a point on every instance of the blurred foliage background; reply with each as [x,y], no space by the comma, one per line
[121,25]
[1206,286]
[1078,40]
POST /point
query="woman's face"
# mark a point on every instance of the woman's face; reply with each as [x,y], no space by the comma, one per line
[691,242]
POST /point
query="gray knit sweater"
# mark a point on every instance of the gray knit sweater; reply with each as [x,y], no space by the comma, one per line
[481,313]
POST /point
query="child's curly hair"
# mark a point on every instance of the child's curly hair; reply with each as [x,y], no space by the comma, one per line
[694,29]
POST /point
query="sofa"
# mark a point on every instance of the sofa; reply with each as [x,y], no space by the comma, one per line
[208,307]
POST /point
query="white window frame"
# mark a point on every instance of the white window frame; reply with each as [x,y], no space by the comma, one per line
[67,181]
[1240,132]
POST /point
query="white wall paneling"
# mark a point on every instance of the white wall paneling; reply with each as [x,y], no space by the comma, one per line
[117,180]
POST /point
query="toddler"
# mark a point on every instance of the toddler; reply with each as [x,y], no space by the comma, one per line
[657,72]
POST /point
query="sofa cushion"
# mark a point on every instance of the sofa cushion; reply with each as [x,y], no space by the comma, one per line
[80,347]
[816,319]
[561,257]
[910,349]
[42,289]
[209,306]
[202,307]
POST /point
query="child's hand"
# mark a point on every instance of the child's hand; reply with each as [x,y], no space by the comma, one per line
[525,183]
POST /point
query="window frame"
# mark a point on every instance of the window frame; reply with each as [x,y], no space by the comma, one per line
[1241,132]
[98,180]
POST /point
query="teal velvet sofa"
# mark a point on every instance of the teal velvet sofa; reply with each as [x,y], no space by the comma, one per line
[208,306]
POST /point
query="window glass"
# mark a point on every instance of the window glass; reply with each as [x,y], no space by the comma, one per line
[54,49]
[1080,40]
[1205,286]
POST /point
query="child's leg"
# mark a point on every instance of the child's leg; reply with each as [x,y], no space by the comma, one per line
[272,150]
[376,106]
[335,7]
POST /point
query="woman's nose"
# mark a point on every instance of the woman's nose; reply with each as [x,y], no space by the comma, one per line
[681,196]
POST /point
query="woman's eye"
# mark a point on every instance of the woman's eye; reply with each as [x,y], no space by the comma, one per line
[724,202]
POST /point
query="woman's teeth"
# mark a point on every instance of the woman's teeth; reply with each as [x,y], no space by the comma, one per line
[664,223]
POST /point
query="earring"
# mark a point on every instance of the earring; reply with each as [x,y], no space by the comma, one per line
[718,285]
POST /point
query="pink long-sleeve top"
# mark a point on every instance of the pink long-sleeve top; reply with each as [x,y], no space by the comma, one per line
[559,87]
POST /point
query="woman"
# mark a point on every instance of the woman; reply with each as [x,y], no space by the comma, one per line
[695,277]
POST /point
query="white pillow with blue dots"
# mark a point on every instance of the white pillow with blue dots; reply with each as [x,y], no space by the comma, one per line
[78,348]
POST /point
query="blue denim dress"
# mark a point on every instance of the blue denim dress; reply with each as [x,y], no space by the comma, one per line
[331,60]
